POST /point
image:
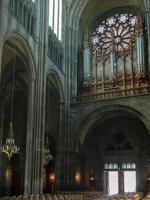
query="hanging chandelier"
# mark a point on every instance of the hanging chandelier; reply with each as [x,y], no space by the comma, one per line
[9,148]
[47,154]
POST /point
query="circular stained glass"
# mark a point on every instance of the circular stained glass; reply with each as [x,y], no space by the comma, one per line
[114,33]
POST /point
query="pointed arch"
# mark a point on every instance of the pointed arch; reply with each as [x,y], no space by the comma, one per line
[18,58]
[18,40]
[54,78]
[104,113]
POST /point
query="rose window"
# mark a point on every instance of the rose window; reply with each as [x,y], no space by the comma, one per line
[114,34]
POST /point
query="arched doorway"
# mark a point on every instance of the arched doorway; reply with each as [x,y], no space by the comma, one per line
[14,89]
[118,142]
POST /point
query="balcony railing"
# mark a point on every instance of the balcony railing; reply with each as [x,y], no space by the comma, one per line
[132,85]
[112,94]
[55,52]
[24,13]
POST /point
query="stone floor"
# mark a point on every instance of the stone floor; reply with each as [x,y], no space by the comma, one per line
[80,196]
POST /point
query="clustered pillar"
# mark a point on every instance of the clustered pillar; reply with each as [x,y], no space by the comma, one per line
[35,138]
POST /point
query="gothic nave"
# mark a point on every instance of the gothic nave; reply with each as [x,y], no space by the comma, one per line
[75,99]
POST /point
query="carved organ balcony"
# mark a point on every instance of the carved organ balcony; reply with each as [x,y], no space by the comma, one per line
[114,61]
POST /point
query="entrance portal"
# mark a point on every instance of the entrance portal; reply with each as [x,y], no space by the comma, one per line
[129,181]
[114,150]
[113,182]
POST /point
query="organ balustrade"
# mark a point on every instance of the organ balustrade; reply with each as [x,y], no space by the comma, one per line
[114,62]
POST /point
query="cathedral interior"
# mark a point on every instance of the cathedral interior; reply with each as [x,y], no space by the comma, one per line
[75,99]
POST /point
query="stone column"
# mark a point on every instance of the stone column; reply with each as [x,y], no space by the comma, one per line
[8,176]
[40,95]
[73,48]
[0,58]
[67,94]
[72,170]
[60,151]
[3,3]
[35,138]
[1,140]
[29,140]
[1,37]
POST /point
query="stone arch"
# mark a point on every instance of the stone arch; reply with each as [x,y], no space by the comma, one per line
[25,74]
[53,123]
[76,8]
[80,8]
[54,78]
[54,101]
[24,48]
[100,129]
[104,113]
[82,15]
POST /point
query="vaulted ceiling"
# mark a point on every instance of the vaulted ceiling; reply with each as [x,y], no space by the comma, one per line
[86,11]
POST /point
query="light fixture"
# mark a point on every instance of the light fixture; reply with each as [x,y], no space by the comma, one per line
[47,154]
[10,148]
[77,177]
[92,178]
[52,177]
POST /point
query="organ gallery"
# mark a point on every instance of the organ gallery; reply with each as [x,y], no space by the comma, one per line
[74,99]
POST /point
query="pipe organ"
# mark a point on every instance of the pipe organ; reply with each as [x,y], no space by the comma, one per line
[113,57]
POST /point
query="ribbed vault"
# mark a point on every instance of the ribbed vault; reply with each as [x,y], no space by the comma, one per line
[87,11]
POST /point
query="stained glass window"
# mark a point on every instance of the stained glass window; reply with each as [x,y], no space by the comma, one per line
[114,34]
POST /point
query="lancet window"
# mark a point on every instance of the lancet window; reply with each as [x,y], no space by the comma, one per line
[55,16]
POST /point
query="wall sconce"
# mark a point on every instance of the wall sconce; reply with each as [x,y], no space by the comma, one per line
[77,177]
[52,177]
[8,177]
[91,178]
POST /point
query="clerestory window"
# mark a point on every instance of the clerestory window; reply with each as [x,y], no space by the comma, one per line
[55,16]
